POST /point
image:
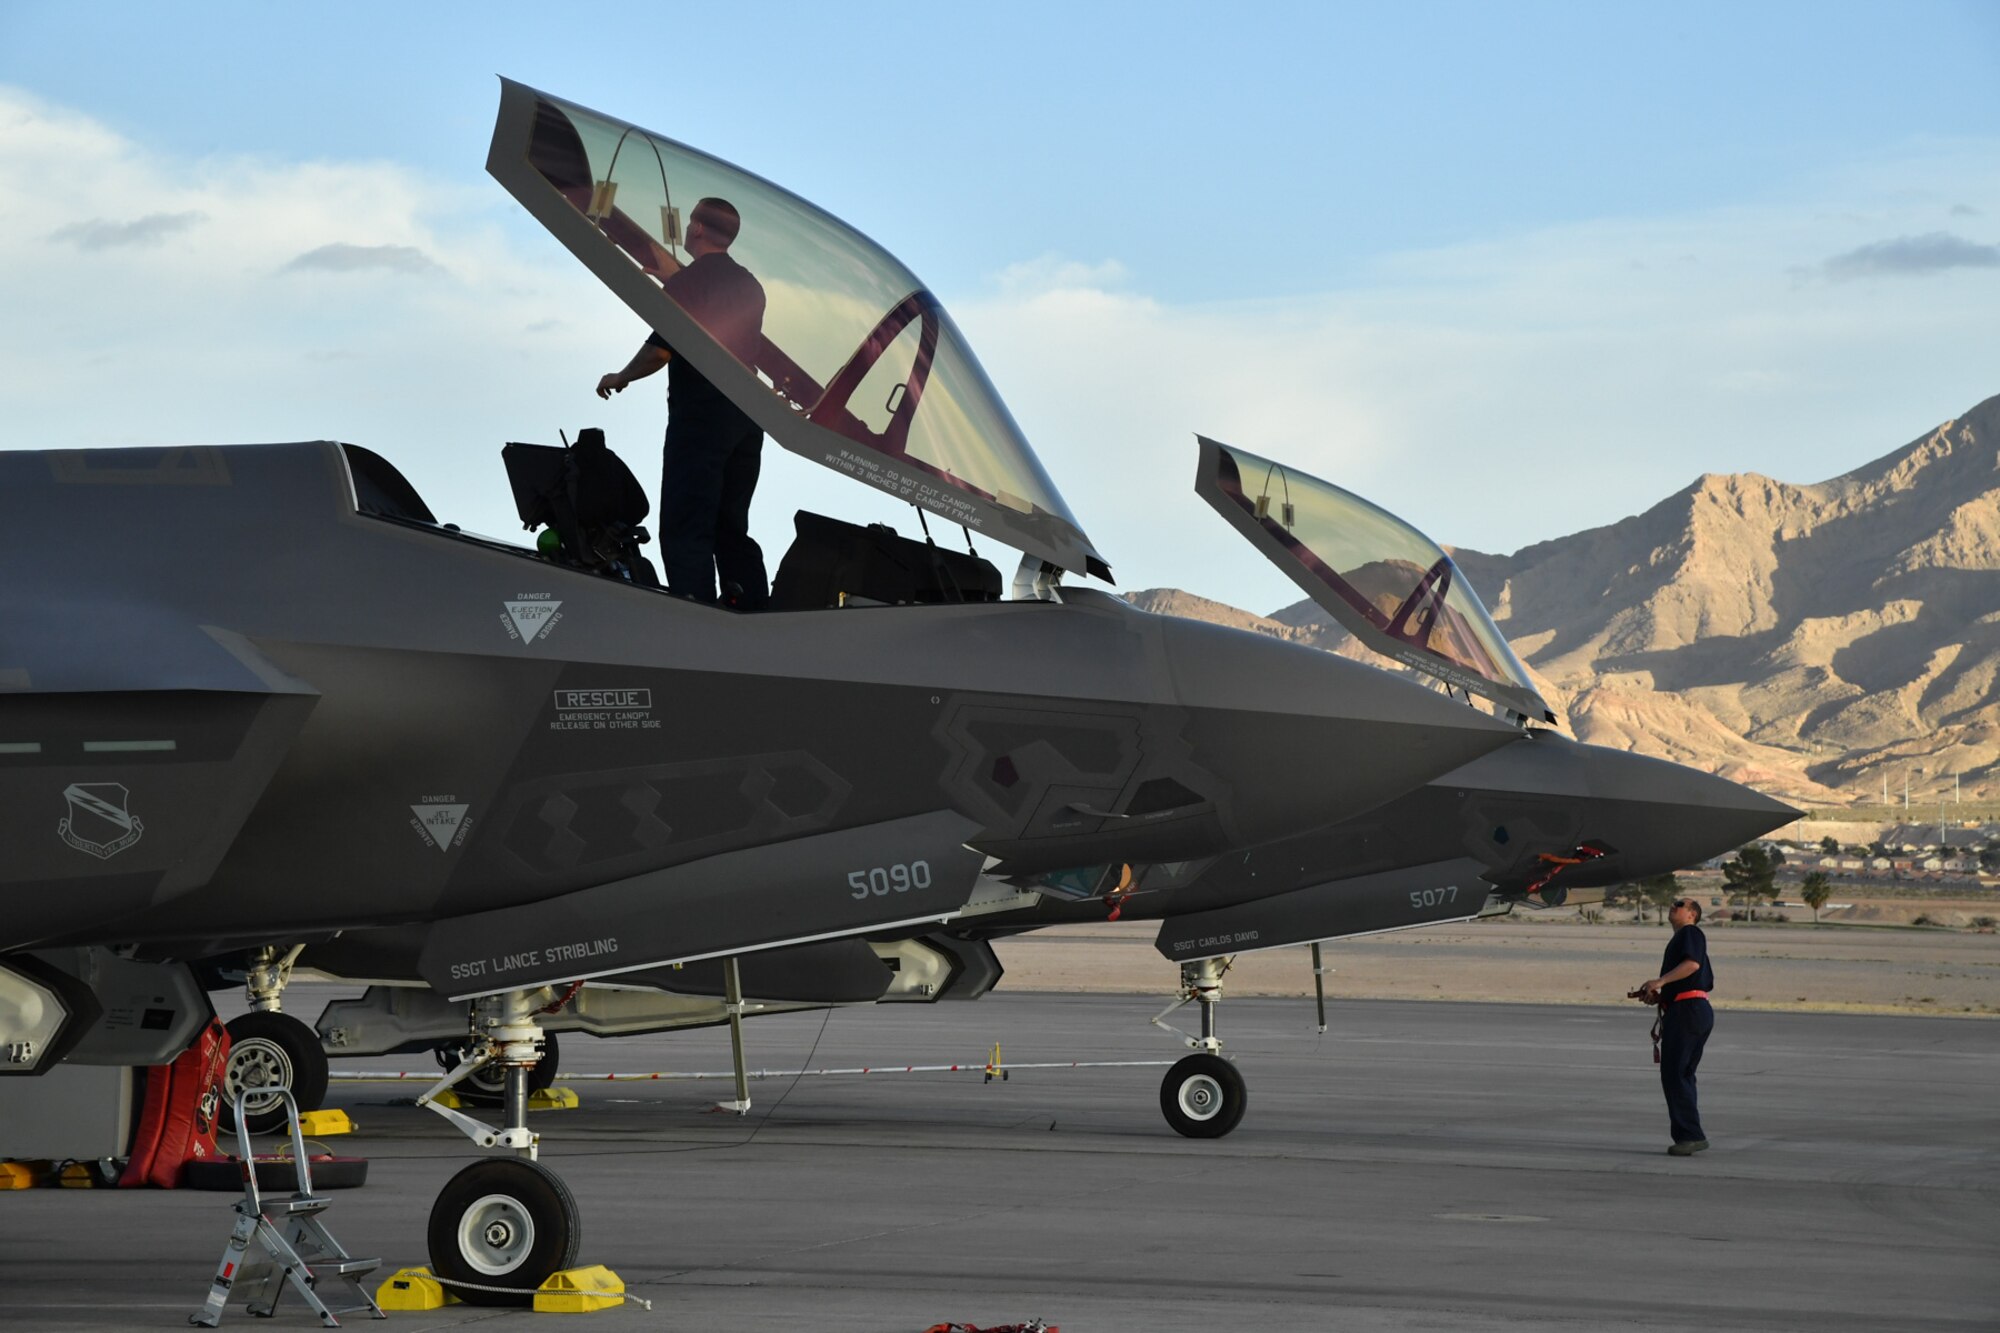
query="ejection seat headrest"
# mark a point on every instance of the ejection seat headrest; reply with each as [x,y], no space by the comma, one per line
[602,488]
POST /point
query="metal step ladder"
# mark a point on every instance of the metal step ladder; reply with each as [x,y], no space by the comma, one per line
[280,1243]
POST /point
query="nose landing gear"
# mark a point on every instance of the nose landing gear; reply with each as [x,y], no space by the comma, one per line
[1203,1096]
[501,1226]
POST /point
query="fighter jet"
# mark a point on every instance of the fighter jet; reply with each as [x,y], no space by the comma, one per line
[256,698]
[1534,824]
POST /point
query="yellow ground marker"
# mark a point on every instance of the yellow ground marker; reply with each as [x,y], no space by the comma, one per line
[553,1099]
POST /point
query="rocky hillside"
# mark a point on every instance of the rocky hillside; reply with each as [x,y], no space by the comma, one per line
[1807,640]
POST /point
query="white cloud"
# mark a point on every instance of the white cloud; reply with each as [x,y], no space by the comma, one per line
[1055,273]
[284,309]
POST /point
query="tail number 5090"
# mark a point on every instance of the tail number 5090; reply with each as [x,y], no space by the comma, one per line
[881,881]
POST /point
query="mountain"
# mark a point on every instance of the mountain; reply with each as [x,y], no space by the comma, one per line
[1806,640]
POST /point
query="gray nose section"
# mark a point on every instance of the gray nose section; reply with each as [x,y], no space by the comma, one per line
[1665,816]
[1306,738]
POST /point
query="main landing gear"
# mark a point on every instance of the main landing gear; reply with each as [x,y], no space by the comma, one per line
[268,1048]
[501,1226]
[1202,1096]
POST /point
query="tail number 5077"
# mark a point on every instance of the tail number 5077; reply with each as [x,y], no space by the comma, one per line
[881,881]
[1422,898]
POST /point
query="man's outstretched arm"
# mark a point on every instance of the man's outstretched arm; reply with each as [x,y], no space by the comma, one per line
[646,361]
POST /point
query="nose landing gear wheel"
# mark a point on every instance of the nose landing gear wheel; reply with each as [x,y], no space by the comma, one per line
[268,1050]
[1203,1097]
[503,1222]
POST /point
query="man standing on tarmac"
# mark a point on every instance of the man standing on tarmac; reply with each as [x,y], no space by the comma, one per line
[1680,1032]
[713,451]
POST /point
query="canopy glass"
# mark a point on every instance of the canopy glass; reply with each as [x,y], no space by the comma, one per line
[1378,577]
[850,361]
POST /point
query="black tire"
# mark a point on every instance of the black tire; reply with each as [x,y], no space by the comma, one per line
[1203,1097]
[488,1086]
[503,1222]
[267,1050]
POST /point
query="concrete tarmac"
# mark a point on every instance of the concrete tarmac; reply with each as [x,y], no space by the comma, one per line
[1421,1166]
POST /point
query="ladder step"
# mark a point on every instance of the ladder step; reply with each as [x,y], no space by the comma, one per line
[342,1267]
[300,1203]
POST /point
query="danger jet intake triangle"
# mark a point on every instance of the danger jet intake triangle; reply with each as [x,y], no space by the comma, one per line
[440,821]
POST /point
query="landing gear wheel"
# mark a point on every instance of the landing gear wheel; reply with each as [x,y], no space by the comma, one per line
[487,1085]
[269,1050]
[503,1222]
[1203,1097]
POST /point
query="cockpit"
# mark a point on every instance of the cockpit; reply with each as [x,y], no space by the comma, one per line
[837,352]
[807,327]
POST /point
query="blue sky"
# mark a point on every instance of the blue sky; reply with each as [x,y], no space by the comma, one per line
[1511,271]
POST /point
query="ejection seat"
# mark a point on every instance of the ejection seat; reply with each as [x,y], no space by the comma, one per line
[588,500]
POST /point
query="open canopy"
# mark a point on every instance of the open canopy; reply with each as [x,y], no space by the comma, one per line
[1383,581]
[850,362]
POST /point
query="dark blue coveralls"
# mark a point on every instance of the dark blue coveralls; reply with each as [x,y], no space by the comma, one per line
[713,452]
[1684,1029]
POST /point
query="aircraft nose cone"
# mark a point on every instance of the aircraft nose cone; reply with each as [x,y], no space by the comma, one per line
[1674,816]
[1304,737]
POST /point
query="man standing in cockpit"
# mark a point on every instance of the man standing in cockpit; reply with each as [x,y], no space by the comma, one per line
[713,451]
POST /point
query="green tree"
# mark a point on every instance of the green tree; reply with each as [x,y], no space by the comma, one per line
[1815,890]
[1829,846]
[1750,875]
[1660,891]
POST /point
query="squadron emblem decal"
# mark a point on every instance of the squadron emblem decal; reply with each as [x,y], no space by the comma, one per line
[98,821]
[530,616]
[442,821]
